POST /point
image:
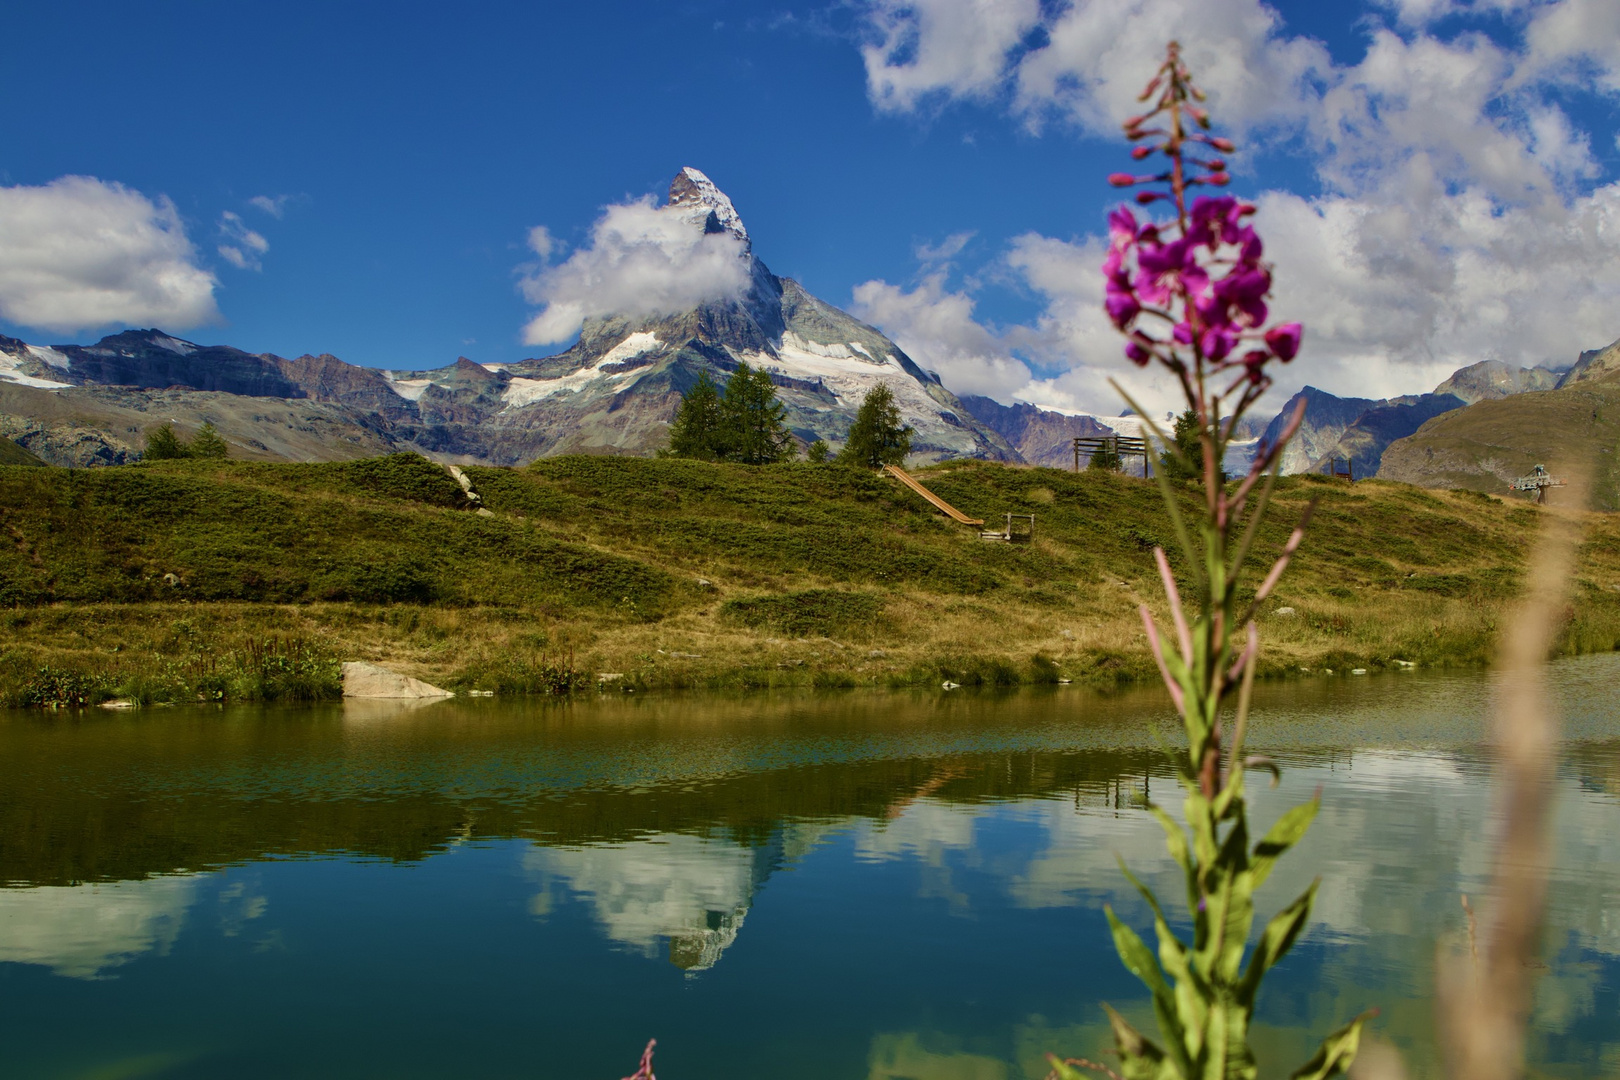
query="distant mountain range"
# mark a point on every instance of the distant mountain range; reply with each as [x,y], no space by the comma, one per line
[613,392]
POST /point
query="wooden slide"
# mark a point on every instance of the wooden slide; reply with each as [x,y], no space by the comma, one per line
[939,504]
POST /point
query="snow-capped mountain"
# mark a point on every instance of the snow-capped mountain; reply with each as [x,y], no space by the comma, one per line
[614,391]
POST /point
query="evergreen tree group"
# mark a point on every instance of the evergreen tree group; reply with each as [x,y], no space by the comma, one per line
[743,423]
[163,444]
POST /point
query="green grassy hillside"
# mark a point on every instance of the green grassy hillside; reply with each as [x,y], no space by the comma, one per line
[155,579]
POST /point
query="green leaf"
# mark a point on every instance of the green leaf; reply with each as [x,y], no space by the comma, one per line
[1280,837]
[1337,1052]
[1237,918]
[1175,838]
[1140,1058]
[1275,941]
[1135,954]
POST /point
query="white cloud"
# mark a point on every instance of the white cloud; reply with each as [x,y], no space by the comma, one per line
[243,247]
[274,205]
[541,242]
[1100,54]
[1565,38]
[642,260]
[81,252]
[937,329]
[921,48]
[946,250]
[1457,220]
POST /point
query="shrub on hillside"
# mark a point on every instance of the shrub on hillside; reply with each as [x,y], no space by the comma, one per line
[163,444]
[811,613]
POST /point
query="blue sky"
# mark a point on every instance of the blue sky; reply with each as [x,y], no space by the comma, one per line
[1438,177]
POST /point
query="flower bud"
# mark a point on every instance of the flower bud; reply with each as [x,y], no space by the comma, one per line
[1120,179]
[1145,197]
[1284,340]
[1140,152]
[1224,145]
[1219,179]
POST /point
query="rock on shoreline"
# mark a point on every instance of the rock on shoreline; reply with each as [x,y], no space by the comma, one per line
[363,680]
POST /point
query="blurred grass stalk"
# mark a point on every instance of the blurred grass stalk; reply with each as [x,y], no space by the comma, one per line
[1484,992]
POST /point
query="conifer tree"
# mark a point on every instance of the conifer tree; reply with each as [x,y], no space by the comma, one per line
[695,431]
[877,437]
[1106,459]
[751,419]
[162,444]
[1189,465]
[816,453]
[208,443]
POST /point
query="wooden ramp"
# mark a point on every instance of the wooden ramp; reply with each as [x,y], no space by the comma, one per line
[939,504]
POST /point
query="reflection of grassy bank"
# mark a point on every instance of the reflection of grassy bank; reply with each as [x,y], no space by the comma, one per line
[686,574]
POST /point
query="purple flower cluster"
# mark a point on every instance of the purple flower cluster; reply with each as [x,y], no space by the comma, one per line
[1207,289]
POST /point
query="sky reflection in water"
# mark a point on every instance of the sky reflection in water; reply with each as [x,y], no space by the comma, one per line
[857,885]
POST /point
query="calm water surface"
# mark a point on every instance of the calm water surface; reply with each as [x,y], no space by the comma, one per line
[856,885]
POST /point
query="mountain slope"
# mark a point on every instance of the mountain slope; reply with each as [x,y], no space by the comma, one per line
[1593,364]
[1363,442]
[1326,418]
[1488,444]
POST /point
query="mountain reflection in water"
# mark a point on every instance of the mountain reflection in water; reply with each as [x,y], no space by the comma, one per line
[907,867]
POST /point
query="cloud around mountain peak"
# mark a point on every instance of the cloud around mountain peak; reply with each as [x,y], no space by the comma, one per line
[641,259]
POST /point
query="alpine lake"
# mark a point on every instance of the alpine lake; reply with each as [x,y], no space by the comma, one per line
[855,884]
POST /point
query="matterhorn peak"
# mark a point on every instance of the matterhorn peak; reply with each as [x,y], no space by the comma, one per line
[705,204]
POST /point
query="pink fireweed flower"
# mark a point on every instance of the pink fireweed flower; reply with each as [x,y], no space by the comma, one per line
[1122,225]
[1284,340]
[1122,307]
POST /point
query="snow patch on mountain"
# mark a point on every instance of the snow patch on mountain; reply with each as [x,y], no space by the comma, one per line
[48,355]
[11,371]
[521,392]
[849,379]
[174,345]
[409,389]
[631,347]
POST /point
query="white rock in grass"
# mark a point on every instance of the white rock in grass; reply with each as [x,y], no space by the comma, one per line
[363,680]
[1286,611]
